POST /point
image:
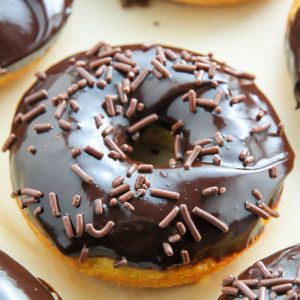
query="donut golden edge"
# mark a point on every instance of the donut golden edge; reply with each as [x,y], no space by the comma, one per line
[294,9]
[102,267]
[211,2]
[9,77]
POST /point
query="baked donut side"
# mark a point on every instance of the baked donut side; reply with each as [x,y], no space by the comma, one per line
[274,277]
[101,115]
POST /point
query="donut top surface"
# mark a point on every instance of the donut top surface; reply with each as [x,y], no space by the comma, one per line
[293,48]
[16,283]
[274,277]
[150,155]
[26,25]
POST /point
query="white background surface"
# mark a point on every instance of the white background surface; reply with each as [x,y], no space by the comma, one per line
[249,36]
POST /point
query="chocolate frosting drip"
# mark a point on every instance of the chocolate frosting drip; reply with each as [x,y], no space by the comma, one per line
[286,262]
[136,235]
[16,283]
[293,48]
[27,25]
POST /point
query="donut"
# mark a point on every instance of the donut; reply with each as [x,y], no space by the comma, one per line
[293,47]
[17,283]
[27,29]
[147,165]
[211,2]
[274,277]
[129,3]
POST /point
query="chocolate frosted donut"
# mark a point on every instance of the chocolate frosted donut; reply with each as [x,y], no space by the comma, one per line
[26,27]
[157,158]
[293,47]
[274,277]
[16,283]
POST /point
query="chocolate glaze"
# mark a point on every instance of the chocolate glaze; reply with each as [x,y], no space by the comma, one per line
[293,49]
[288,260]
[129,3]
[137,235]
[26,26]
[16,283]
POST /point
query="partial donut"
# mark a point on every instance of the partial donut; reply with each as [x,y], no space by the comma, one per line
[128,3]
[274,277]
[17,283]
[293,47]
[147,165]
[211,2]
[27,29]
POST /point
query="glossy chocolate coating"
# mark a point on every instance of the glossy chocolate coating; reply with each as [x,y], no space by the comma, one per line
[137,235]
[288,260]
[27,25]
[128,3]
[293,49]
[16,283]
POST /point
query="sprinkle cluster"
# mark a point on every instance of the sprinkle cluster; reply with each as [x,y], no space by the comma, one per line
[270,285]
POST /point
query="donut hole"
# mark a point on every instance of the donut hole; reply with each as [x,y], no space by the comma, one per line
[155,146]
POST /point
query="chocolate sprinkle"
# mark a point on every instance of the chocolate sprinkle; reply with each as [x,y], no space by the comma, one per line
[145,168]
[79,225]
[64,125]
[274,172]
[94,152]
[85,75]
[54,205]
[169,217]
[98,207]
[117,181]
[168,249]
[189,222]
[210,191]
[211,219]
[68,226]
[35,97]
[126,197]
[121,189]
[113,146]
[165,194]
[34,113]
[264,270]
[10,141]
[40,128]
[192,157]
[84,254]
[38,211]
[181,228]
[185,257]
[32,192]
[76,201]
[120,263]
[128,206]
[142,123]
[244,289]
[256,210]
[102,232]
[257,194]
[84,176]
